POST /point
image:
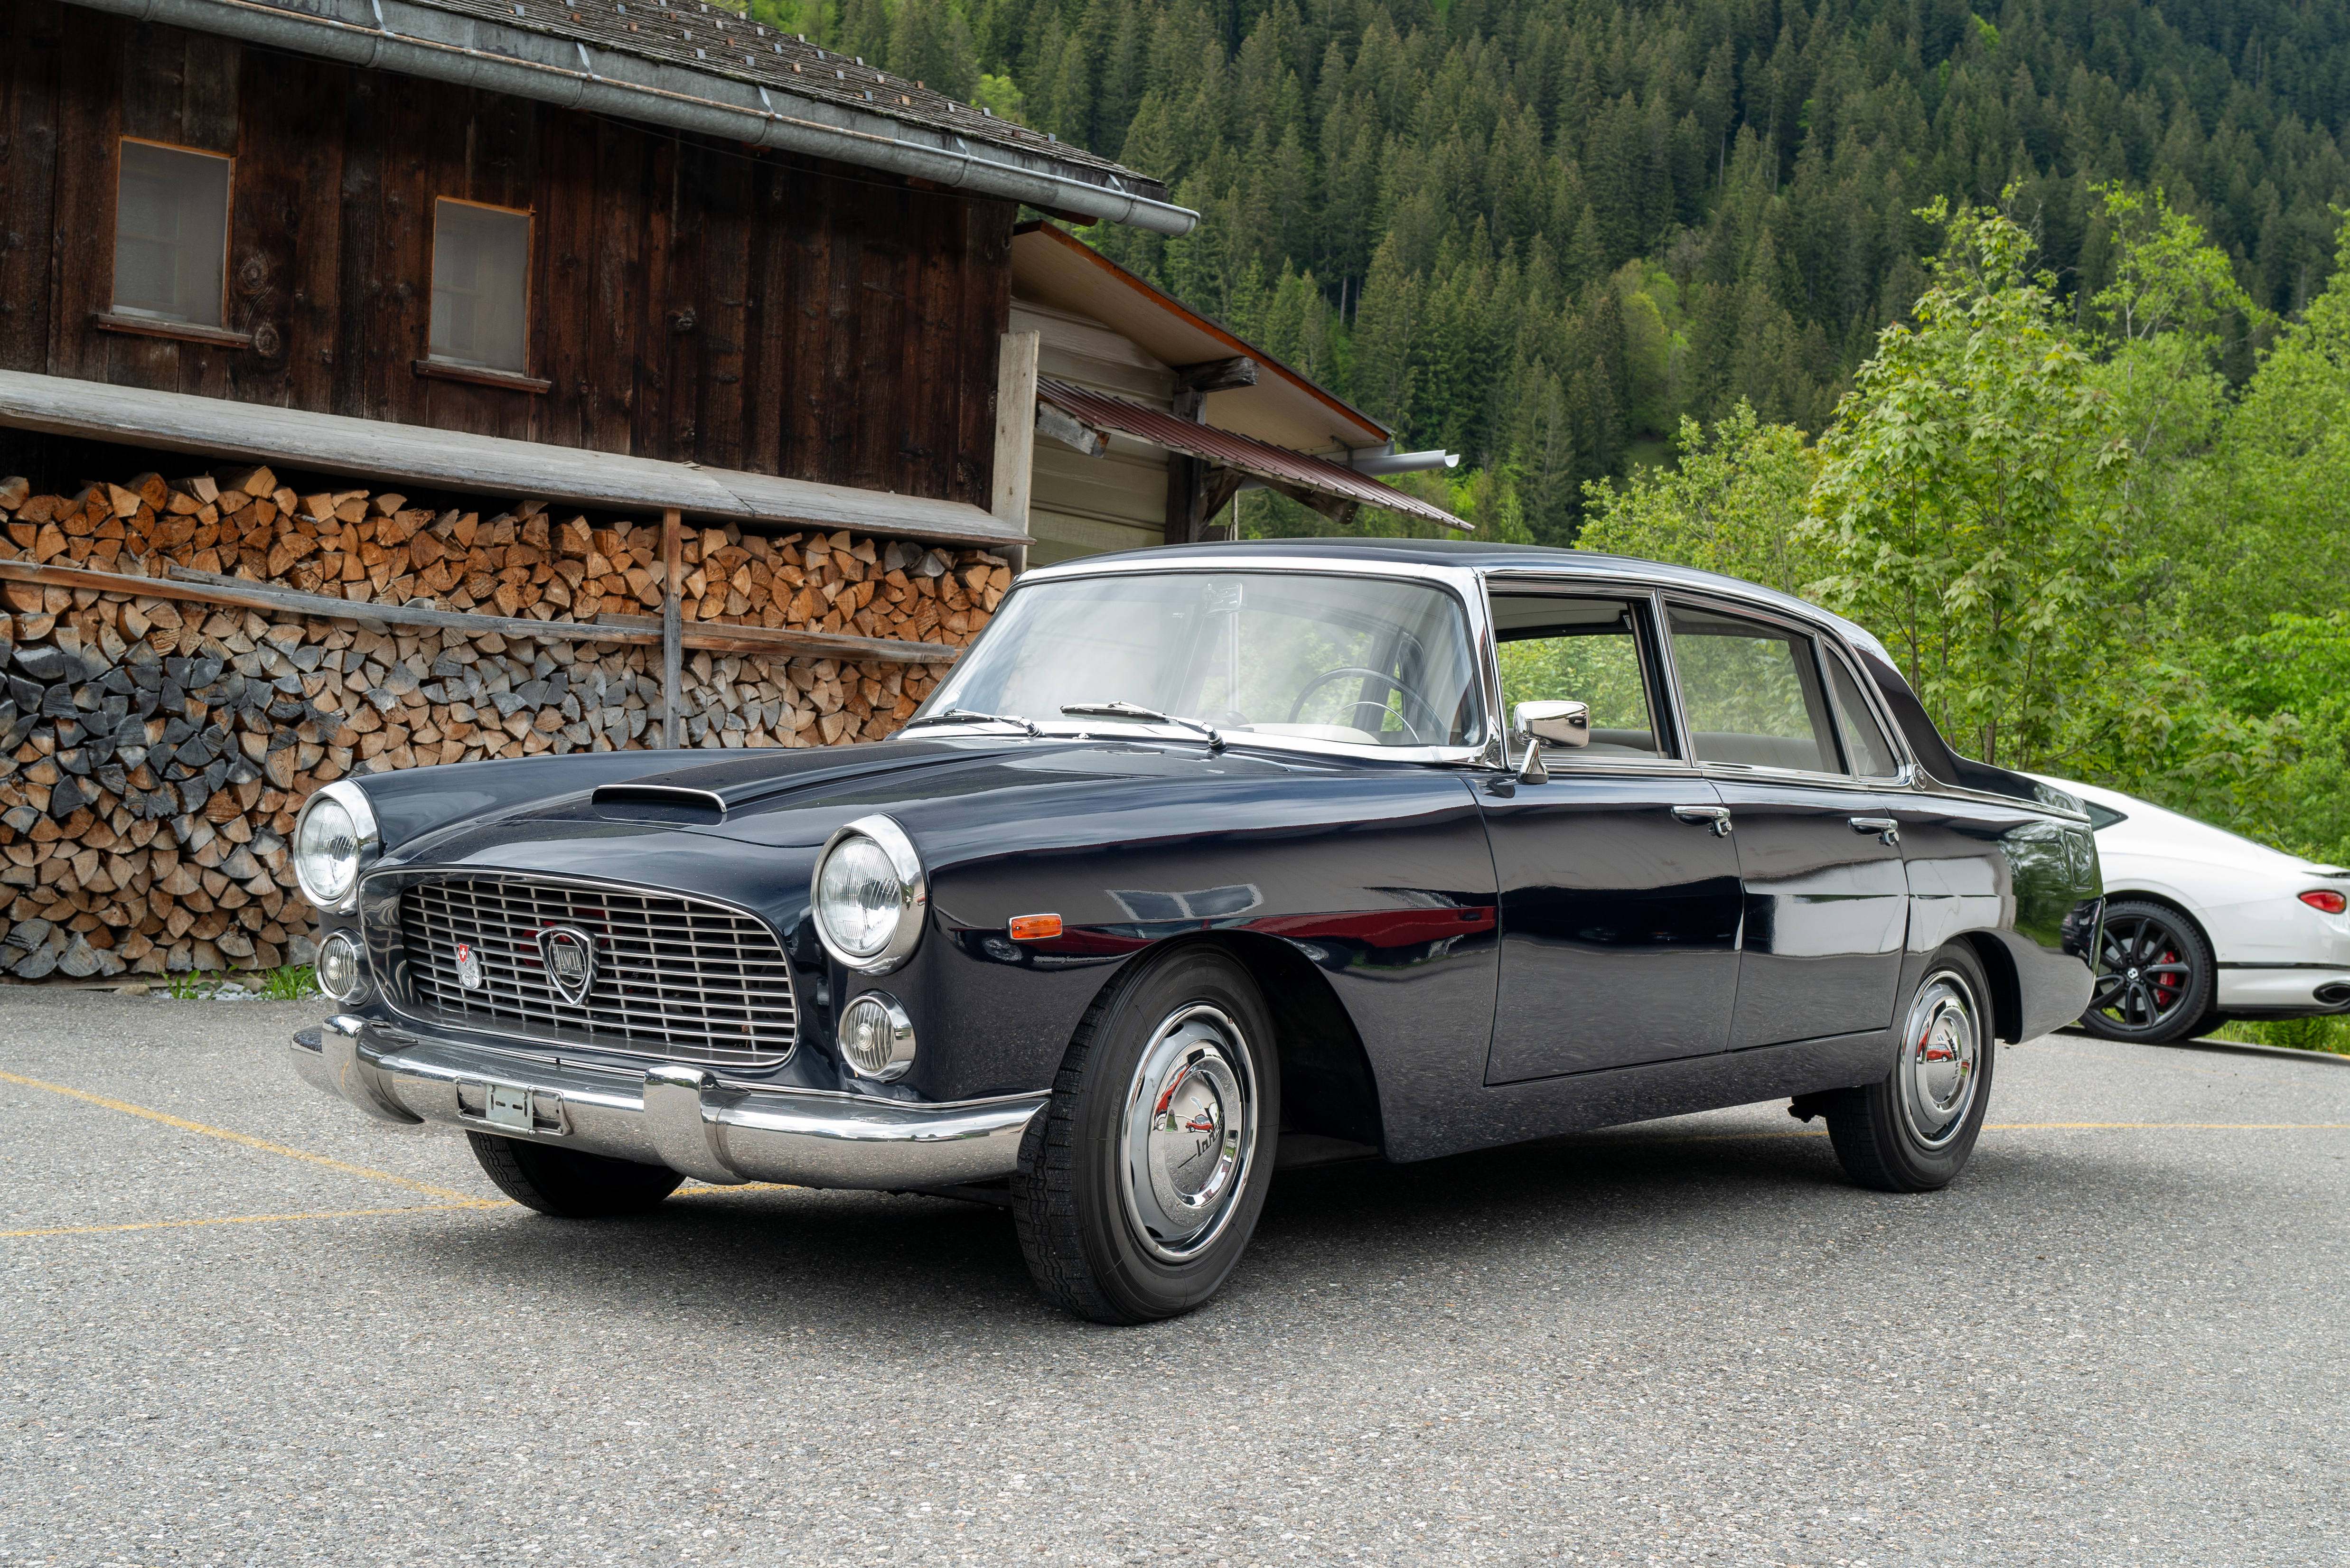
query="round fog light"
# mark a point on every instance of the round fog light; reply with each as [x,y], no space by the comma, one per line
[341,973]
[876,1038]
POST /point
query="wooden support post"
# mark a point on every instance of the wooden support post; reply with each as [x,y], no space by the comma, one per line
[672,647]
[1015,437]
[1187,477]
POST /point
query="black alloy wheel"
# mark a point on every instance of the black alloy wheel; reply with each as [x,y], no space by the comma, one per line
[2155,978]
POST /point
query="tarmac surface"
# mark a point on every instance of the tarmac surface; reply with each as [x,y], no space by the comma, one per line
[240,1324]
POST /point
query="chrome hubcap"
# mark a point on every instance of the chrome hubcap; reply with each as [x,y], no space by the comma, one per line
[1188,1133]
[1941,1060]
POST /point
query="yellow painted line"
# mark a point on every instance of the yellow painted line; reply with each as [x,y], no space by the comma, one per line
[261,1218]
[2037,1126]
[262,1144]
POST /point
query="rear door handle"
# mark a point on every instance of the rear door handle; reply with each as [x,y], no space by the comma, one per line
[1887,831]
[1715,816]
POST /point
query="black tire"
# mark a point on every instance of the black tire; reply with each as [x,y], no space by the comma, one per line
[1188,1024]
[2154,976]
[1913,1131]
[565,1182]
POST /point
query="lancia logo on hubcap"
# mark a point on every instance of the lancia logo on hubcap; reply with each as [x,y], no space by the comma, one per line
[570,956]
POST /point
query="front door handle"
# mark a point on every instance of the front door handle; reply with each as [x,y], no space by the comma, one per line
[1715,816]
[1887,831]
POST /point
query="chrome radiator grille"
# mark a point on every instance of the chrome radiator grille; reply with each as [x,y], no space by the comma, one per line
[674,978]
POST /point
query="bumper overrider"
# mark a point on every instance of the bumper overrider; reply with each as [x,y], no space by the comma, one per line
[674,1113]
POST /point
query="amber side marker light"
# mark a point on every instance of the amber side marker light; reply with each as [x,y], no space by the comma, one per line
[2325,898]
[1034,927]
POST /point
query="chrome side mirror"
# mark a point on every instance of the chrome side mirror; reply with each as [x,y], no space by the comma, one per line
[1562,723]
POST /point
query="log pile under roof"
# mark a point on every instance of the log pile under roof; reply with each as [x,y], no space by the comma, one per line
[161,733]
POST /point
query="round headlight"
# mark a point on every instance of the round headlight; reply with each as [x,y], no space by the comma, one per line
[868,896]
[876,1038]
[341,971]
[333,840]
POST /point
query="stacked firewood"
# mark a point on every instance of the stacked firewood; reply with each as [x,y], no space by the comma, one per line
[377,548]
[156,748]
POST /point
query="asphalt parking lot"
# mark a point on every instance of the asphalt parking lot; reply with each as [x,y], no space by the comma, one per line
[244,1325]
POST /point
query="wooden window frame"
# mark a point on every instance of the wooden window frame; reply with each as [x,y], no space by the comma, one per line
[435,367]
[111,320]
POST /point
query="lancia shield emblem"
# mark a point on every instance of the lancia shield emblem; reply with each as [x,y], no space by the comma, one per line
[570,956]
[469,967]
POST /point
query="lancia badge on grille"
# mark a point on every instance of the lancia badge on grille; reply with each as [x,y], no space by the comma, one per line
[570,955]
[469,967]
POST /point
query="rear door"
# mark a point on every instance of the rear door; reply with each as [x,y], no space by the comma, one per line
[1826,897]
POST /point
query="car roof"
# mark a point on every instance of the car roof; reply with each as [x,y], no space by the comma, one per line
[2147,826]
[1481,555]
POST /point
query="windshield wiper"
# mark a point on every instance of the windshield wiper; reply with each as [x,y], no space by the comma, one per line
[1130,710]
[972,716]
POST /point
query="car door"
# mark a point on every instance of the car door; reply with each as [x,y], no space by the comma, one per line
[1826,897]
[1619,895]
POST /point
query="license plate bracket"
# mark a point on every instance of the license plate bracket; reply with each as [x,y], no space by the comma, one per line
[506,1105]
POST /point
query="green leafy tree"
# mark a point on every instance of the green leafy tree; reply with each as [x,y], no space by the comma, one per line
[1734,502]
[1972,492]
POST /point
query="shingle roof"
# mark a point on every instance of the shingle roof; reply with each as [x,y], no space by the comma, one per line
[716,41]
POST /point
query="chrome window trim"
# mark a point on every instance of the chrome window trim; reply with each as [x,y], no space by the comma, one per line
[393,986]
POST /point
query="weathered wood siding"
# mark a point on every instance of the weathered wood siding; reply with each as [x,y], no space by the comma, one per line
[689,300]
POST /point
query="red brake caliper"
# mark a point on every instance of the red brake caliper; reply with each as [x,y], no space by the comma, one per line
[2165,987]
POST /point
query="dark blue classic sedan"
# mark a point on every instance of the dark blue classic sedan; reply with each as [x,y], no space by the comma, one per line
[1209,860]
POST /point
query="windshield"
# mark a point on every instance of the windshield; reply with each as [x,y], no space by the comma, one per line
[1364,660]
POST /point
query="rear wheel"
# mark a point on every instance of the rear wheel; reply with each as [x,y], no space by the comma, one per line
[1913,1131]
[565,1183]
[1141,1180]
[2154,976]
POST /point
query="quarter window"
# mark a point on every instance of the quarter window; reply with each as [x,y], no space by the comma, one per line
[170,233]
[481,293]
[1752,692]
[1864,743]
[1583,650]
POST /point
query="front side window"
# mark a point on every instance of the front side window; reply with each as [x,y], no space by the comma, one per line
[1363,661]
[481,290]
[170,233]
[1580,650]
[1752,692]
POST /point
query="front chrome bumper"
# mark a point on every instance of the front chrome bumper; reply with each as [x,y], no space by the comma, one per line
[674,1115]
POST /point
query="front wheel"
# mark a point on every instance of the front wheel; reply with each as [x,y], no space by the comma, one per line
[1141,1181]
[1913,1131]
[565,1183]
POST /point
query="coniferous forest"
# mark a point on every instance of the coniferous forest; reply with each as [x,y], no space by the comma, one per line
[1539,232]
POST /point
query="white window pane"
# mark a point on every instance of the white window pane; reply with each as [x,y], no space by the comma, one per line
[170,233]
[481,258]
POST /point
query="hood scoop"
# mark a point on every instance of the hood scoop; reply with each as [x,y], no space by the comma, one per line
[658,802]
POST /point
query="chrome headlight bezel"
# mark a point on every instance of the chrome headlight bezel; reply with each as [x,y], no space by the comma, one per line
[913,901]
[343,940]
[353,800]
[897,1033]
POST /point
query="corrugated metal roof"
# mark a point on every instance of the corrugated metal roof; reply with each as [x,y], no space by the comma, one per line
[1260,460]
[716,41]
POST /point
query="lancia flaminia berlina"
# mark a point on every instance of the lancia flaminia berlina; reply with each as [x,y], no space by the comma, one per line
[1208,861]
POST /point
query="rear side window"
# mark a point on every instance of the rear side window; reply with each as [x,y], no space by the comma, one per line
[1865,745]
[1752,693]
[1581,650]
[2102,815]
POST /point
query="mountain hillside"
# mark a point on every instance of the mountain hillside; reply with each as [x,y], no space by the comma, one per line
[1538,231]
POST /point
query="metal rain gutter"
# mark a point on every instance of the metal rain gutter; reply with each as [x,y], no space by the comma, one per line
[448,47]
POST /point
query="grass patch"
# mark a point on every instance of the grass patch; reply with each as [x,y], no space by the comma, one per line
[2329,1034]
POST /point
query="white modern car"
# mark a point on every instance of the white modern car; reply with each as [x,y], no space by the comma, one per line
[2203,926]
